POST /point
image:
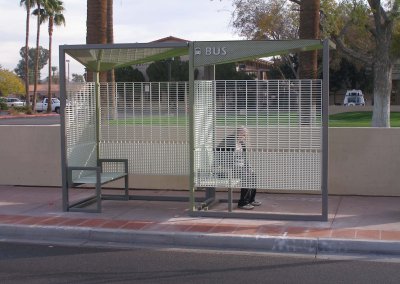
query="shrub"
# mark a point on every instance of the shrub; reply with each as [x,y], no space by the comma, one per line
[18,110]
[3,106]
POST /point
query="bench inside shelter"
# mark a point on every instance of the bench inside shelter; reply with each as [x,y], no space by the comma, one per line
[97,176]
[85,165]
[211,175]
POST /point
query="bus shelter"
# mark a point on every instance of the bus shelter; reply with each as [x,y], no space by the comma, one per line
[168,129]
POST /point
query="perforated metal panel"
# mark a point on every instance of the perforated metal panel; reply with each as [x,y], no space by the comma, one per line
[284,124]
[147,124]
[80,126]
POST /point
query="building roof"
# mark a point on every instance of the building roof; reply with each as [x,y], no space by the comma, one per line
[171,39]
[44,88]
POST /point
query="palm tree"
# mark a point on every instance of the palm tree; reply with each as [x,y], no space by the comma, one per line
[38,12]
[53,13]
[110,34]
[96,28]
[99,25]
[309,29]
[27,4]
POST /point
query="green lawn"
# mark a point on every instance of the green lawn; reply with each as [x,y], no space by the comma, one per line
[347,119]
[151,120]
[220,120]
[359,119]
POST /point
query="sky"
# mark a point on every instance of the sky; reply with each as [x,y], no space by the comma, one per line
[134,21]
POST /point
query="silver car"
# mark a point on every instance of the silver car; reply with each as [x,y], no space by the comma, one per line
[12,102]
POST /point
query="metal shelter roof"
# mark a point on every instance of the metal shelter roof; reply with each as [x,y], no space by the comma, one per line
[103,57]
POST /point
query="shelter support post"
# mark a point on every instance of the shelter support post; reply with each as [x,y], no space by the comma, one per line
[325,121]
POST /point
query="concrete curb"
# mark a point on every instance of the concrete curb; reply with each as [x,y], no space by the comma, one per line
[120,237]
[344,246]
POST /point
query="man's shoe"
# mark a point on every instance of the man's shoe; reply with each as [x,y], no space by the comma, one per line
[246,207]
[255,203]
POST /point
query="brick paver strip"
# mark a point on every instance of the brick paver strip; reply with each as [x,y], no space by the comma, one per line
[246,230]
[135,225]
[93,223]
[223,229]
[271,230]
[319,233]
[368,234]
[201,228]
[344,233]
[31,220]
[52,221]
[114,224]
[73,222]
[390,235]
[274,230]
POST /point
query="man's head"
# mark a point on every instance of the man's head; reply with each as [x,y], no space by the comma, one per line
[242,133]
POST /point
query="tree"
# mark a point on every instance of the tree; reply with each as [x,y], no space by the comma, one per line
[27,4]
[284,67]
[76,78]
[280,20]
[96,28]
[110,34]
[53,14]
[228,71]
[377,22]
[38,13]
[128,74]
[54,75]
[168,70]
[309,29]
[10,83]
[43,58]
[268,20]
[265,19]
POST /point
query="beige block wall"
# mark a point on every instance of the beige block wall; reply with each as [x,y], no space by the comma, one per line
[30,155]
[362,161]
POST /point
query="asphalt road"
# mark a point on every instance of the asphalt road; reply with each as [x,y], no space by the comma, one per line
[44,120]
[30,263]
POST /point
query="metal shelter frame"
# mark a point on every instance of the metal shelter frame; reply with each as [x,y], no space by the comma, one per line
[103,57]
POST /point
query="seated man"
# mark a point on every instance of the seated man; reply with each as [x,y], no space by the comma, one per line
[231,153]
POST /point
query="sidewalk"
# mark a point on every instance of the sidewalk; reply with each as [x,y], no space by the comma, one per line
[366,225]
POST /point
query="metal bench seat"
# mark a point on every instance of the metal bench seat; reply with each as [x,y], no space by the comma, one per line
[104,178]
[98,177]
[219,178]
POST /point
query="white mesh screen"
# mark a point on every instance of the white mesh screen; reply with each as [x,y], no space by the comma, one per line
[80,125]
[284,124]
[147,124]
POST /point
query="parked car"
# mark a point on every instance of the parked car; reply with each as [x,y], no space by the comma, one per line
[354,98]
[42,105]
[12,102]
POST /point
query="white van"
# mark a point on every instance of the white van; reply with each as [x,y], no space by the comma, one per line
[354,98]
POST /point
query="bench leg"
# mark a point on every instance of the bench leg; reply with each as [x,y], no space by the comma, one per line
[210,192]
[230,199]
[98,191]
[126,187]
